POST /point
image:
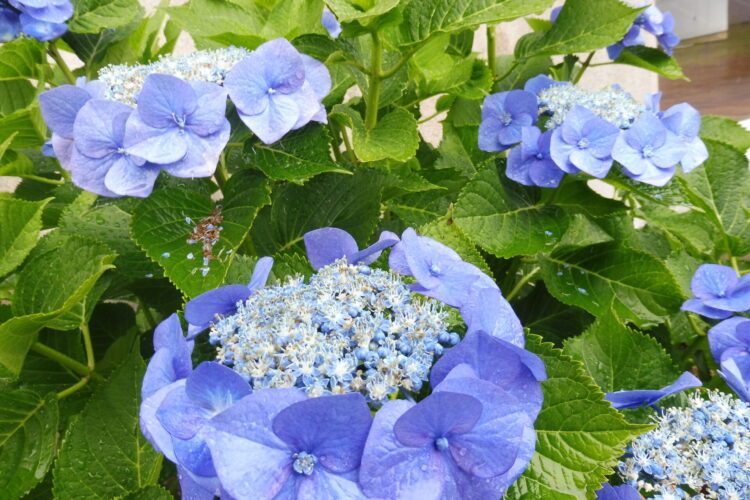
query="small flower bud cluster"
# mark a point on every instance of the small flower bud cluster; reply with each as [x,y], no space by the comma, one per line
[350,329]
[612,104]
[698,452]
[124,82]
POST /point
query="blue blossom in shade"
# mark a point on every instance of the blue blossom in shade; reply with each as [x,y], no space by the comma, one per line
[179,125]
[584,143]
[506,365]
[331,24]
[542,82]
[48,150]
[43,31]
[652,103]
[276,444]
[350,329]
[487,310]
[456,443]
[438,269]
[210,389]
[503,116]
[530,163]
[554,14]
[10,25]
[718,291]
[276,89]
[668,40]
[60,106]
[326,245]
[703,448]
[684,121]
[730,346]
[632,37]
[635,399]
[204,309]
[648,151]
[622,492]
[651,19]
[51,11]
[99,162]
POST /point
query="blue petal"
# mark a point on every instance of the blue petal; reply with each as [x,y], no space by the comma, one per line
[730,333]
[10,25]
[276,120]
[489,131]
[157,145]
[260,273]
[194,455]
[635,399]
[216,387]
[60,106]
[455,284]
[89,173]
[41,30]
[713,280]
[540,82]
[522,102]
[128,179]
[696,153]
[317,75]
[180,416]
[51,12]
[333,428]
[488,311]
[493,105]
[736,371]
[162,98]
[325,245]
[202,310]
[585,162]
[150,425]
[210,113]
[63,149]
[682,119]
[323,485]
[99,127]
[370,254]
[698,307]
[442,414]
[518,169]
[426,257]
[622,492]
[331,24]
[192,489]
[202,154]
[560,152]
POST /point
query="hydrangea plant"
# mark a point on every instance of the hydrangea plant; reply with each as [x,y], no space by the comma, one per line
[247,271]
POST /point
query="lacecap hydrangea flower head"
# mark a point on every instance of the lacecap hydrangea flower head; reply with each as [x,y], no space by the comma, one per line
[556,128]
[286,409]
[115,135]
[41,19]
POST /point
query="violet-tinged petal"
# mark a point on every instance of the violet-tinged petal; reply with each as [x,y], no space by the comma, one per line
[560,152]
[180,416]
[333,428]
[540,82]
[323,485]
[682,120]
[441,414]
[738,301]
[163,99]
[653,103]
[622,492]
[89,173]
[202,310]
[202,154]
[158,145]
[128,179]
[489,131]
[493,105]
[695,154]
[325,245]
[457,280]
[276,120]
[317,75]
[370,254]
[713,280]
[151,426]
[43,31]
[99,127]
[51,12]
[730,333]
[510,134]
[736,372]
[210,113]
[698,307]
[63,149]
[307,105]
[426,257]
[260,273]
[635,399]
[191,489]
[671,152]
[214,386]
[195,455]
[391,470]
[60,106]
[168,334]
[487,310]
[585,162]
[522,102]
[330,23]
[10,25]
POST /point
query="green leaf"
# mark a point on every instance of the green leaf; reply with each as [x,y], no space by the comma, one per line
[524,71]
[93,16]
[426,18]
[395,136]
[21,123]
[544,315]
[636,285]
[582,26]
[651,59]
[204,18]
[690,228]
[20,59]
[347,12]
[152,492]
[582,231]
[506,218]
[726,130]
[104,454]
[159,226]
[300,155]
[580,437]
[445,231]
[349,202]
[15,94]
[20,223]
[721,188]
[66,268]
[619,358]
[28,437]
[292,18]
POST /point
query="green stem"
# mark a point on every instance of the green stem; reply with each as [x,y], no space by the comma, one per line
[54,182]
[88,346]
[695,326]
[222,174]
[57,57]
[491,50]
[510,69]
[584,67]
[64,360]
[595,65]
[735,264]
[235,144]
[73,388]
[521,283]
[407,55]
[356,65]
[349,150]
[433,115]
[373,88]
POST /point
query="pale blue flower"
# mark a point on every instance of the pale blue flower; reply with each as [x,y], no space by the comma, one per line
[10,25]
[644,397]
[43,31]
[530,163]
[584,143]
[718,292]
[684,121]
[503,116]
[50,11]
[326,245]
[622,492]
[730,346]
[331,24]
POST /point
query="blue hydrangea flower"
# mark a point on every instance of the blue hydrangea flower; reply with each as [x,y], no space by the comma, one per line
[506,365]
[718,291]
[276,443]
[10,25]
[60,106]
[651,18]
[730,346]
[459,442]
[331,24]
[635,399]
[648,151]
[503,116]
[554,14]
[179,125]
[702,448]
[204,309]
[684,121]
[43,31]
[186,409]
[531,162]
[276,89]
[99,162]
[584,143]
[622,492]
[326,245]
[632,37]
[668,40]
[542,82]
[486,310]
[439,270]
[51,11]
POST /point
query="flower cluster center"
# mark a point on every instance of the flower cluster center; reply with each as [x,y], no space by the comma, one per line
[614,105]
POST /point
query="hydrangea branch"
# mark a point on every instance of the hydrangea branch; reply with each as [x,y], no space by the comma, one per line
[57,57]
[586,64]
[525,279]
[373,88]
[491,50]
